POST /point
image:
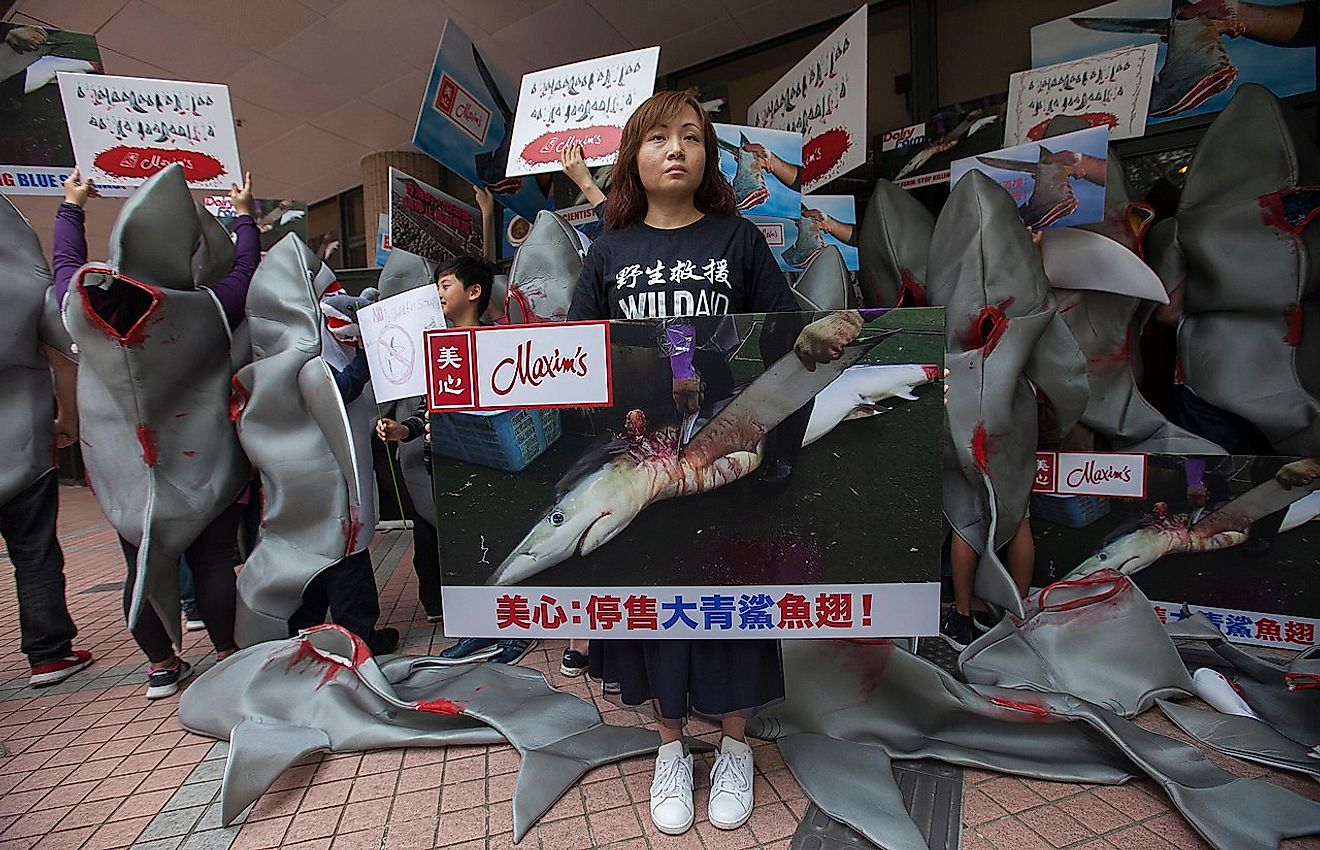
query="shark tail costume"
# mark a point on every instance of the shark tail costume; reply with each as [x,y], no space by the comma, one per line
[154,385]
[309,447]
[1003,336]
[1254,181]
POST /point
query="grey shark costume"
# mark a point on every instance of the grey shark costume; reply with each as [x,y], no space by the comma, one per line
[1242,245]
[322,691]
[544,272]
[1003,335]
[157,439]
[824,284]
[894,246]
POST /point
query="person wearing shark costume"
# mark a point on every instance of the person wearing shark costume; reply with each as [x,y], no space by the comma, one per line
[33,342]
[894,248]
[544,268]
[159,331]
[322,691]
[1004,341]
[824,284]
[1253,181]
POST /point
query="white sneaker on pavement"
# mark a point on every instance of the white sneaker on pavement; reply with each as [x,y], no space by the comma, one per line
[731,785]
[671,790]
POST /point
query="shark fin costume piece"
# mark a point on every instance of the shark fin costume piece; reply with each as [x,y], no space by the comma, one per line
[259,754]
[295,428]
[544,272]
[894,246]
[1244,235]
[1097,638]
[1001,327]
[824,285]
[154,383]
[1243,737]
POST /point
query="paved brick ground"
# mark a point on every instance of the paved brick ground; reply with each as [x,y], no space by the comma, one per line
[91,764]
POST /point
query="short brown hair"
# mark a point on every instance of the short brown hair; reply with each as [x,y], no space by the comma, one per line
[627,201]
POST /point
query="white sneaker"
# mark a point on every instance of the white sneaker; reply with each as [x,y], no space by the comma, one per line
[671,790]
[731,785]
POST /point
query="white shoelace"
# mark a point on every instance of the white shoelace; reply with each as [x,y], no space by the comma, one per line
[729,777]
[673,778]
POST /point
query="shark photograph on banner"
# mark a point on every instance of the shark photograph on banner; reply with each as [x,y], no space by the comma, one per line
[919,155]
[1225,533]
[275,218]
[126,129]
[465,122]
[823,97]
[585,103]
[430,223]
[1108,89]
[666,518]
[825,220]
[35,152]
[765,168]
[1206,50]
[1059,182]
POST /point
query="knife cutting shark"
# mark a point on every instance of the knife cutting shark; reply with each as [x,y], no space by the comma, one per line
[1052,198]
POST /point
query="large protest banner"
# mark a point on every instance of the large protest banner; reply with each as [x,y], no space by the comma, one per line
[466,119]
[823,97]
[585,103]
[660,524]
[431,223]
[125,129]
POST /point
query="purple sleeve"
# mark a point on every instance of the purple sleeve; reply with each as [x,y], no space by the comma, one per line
[678,340]
[1194,467]
[70,247]
[232,291]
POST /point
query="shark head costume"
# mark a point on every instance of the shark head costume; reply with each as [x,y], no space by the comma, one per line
[30,319]
[313,452]
[1004,340]
[154,383]
[894,246]
[1242,245]
[824,284]
[404,272]
[544,272]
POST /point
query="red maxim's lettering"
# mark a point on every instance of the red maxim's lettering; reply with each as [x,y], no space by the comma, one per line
[1093,473]
[529,370]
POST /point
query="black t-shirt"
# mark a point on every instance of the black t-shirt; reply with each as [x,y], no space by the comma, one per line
[718,264]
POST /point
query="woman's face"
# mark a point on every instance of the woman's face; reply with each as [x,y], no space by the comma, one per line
[672,158]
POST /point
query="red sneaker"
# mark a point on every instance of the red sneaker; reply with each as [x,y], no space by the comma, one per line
[54,672]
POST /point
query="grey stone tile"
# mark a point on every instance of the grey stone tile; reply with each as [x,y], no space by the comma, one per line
[168,824]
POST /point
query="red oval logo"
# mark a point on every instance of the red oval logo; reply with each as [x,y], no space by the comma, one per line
[141,163]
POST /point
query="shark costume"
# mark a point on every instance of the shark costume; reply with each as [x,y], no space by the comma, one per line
[894,246]
[544,270]
[1253,181]
[157,350]
[29,492]
[1004,339]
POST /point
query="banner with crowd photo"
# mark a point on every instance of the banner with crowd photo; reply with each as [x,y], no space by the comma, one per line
[382,240]
[825,220]
[1058,182]
[764,167]
[275,218]
[1234,536]
[1107,90]
[664,524]
[35,153]
[430,223]
[1206,50]
[585,103]
[823,97]
[920,155]
[466,120]
[126,129]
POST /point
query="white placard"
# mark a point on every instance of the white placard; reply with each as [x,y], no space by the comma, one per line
[392,330]
[586,102]
[1110,89]
[824,98]
[125,129]
[564,364]
[896,609]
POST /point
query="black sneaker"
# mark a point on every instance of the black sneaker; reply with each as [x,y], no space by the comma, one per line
[512,651]
[165,681]
[956,629]
[574,663]
[383,641]
[472,649]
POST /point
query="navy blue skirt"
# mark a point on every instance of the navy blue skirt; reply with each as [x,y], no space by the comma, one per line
[678,679]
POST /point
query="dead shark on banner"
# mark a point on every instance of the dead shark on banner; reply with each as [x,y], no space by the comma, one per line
[633,519]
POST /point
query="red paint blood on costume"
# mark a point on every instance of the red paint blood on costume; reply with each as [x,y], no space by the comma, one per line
[440,706]
[822,153]
[1103,364]
[238,399]
[352,528]
[1038,710]
[981,448]
[1292,318]
[136,335]
[986,328]
[139,163]
[190,454]
[307,654]
[149,455]
[910,291]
